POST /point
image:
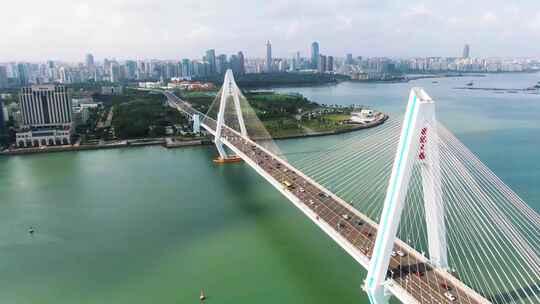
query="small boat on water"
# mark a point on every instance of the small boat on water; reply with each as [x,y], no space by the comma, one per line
[202,297]
[470,84]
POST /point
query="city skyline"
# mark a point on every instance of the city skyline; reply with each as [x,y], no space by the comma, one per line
[137,29]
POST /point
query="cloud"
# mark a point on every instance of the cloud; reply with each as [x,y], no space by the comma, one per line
[35,30]
[489,18]
[418,11]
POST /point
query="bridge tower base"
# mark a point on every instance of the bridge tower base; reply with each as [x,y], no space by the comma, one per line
[418,141]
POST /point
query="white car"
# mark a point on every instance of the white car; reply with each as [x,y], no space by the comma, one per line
[394,254]
[302,189]
[311,202]
[345,216]
[401,253]
[450,296]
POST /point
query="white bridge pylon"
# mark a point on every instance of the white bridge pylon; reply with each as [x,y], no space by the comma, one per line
[229,91]
[417,145]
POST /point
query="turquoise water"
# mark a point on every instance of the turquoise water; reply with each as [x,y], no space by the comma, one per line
[149,225]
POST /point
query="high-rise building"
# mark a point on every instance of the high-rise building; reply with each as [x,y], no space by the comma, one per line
[349,59]
[330,64]
[315,55]
[114,75]
[186,68]
[64,75]
[235,65]
[221,64]
[23,73]
[466,51]
[45,105]
[89,60]
[46,116]
[3,77]
[268,56]
[131,69]
[211,58]
[242,63]
[3,115]
[321,63]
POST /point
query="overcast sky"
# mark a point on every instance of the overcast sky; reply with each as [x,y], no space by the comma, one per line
[33,30]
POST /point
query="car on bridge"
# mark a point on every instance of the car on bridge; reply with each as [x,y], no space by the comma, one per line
[450,296]
[286,184]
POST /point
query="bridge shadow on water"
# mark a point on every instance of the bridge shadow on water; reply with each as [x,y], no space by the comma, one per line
[515,295]
[291,236]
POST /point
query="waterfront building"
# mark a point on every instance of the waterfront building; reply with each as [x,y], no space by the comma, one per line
[330,64]
[466,51]
[321,68]
[315,55]
[45,105]
[268,56]
[46,116]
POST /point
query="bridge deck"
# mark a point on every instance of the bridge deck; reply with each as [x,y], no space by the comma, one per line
[415,280]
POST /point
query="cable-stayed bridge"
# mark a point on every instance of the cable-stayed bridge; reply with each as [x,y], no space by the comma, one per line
[407,201]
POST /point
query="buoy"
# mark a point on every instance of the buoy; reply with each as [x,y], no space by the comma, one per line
[202,297]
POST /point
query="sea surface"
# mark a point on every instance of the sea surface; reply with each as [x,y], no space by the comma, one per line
[150,225]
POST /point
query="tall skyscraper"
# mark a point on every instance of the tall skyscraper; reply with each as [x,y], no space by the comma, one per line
[466,51]
[349,59]
[235,64]
[330,63]
[3,77]
[114,75]
[221,64]
[45,105]
[315,55]
[268,56]
[3,115]
[23,73]
[321,63]
[131,69]
[186,68]
[242,63]
[211,58]
[89,60]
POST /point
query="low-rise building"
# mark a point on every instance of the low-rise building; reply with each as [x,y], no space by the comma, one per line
[364,116]
[112,90]
[43,136]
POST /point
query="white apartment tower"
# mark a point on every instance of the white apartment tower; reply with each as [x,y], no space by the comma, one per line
[45,105]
